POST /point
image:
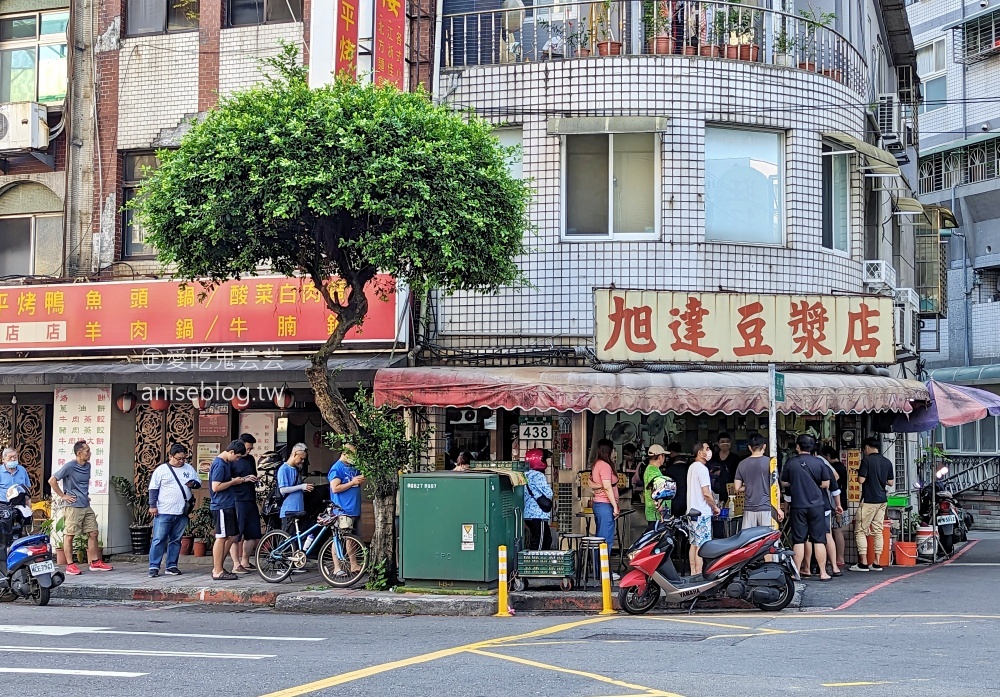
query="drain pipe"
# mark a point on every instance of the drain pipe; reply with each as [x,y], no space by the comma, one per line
[966,284]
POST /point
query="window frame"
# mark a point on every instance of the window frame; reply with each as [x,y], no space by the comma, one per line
[939,44]
[830,152]
[129,189]
[612,236]
[31,235]
[37,43]
[166,20]
[956,432]
[782,188]
[265,3]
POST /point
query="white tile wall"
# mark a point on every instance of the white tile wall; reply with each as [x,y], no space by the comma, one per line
[242,48]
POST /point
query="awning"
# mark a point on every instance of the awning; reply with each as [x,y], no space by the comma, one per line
[687,391]
[879,161]
[188,369]
[909,205]
[956,144]
[981,375]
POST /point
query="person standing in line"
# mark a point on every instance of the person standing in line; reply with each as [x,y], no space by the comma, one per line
[839,522]
[875,475]
[604,482]
[223,507]
[535,519]
[169,493]
[753,476]
[291,486]
[462,463]
[346,482]
[657,459]
[700,498]
[12,473]
[807,479]
[247,513]
[79,516]
[726,461]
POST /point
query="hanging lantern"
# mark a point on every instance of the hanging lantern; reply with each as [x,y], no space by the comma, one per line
[200,403]
[240,403]
[159,404]
[284,399]
[127,402]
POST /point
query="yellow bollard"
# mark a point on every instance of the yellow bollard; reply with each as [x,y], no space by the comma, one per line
[502,606]
[606,582]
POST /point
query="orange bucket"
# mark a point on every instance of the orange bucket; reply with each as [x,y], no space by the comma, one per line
[906,553]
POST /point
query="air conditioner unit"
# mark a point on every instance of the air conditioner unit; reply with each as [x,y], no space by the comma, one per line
[907,297]
[465,416]
[906,325]
[879,276]
[23,126]
[890,117]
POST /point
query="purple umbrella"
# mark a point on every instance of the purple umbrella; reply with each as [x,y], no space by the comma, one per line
[950,405]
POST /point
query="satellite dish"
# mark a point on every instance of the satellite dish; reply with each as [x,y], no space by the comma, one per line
[513,15]
[655,423]
[623,432]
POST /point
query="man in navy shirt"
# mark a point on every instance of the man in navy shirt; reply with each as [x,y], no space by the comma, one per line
[807,480]
[345,493]
[223,506]
[247,513]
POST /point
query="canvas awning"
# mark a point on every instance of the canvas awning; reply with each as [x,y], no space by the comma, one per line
[909,205]
[686,391]
[880,161]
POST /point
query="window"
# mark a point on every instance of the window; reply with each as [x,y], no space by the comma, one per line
[510,137]
[988,435]
[137,167]
[931,67]
[21,236]
[610,185]
[248,12]
[951,438]
[836,201]
[744,187]
[33,57]
[160,16]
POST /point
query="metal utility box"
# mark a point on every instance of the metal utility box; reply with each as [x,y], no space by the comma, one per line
[452,524]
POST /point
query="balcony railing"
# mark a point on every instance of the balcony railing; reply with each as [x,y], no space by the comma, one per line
[965,165]
[589,30]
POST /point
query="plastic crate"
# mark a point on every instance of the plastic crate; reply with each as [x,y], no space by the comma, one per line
[898,501]
[513,465]
[546,563]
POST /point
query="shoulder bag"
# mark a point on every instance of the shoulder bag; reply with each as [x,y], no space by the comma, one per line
[188,496]
[543,501]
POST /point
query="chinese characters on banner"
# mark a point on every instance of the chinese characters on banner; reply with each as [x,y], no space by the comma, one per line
[390,26]
[83,413]
[345,49]
[131,314]
[260,425]
[668,326]
[853,485]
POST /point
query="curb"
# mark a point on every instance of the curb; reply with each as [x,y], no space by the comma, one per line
[328,603]
[213,595]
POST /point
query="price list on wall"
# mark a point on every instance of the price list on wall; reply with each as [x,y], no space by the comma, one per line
[83,413]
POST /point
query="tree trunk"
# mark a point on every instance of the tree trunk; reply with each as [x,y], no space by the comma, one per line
[383,547]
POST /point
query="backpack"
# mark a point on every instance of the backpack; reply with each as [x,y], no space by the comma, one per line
[272,504]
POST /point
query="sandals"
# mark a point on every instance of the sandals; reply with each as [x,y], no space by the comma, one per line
[240,569]
[340,574]
[225,576]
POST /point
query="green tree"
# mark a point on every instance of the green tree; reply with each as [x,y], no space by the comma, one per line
[348,181]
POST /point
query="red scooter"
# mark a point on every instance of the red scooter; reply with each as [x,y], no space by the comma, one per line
[734,567]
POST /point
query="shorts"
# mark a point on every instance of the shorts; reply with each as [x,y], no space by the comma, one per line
[226,524]
[702,531]
[248,520]
[756,519]
[829,521]
[808,524]
[80,521]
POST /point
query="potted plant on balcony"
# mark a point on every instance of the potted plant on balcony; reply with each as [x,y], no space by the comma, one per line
[141,529]
[784,49]
[742,34]
[715,33]
[607,44]
[657,26]
[813,21]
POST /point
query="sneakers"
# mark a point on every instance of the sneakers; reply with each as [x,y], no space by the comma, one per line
[863,567]
[173,571]
[100,566]
[875,567]
[153,573]
[73,570]
[615,578]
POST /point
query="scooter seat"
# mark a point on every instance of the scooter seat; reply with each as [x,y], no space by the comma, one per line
[714,549]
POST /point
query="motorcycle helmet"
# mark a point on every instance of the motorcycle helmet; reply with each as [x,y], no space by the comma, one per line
[17,495]
[663,489]
[537,459]
[270,460]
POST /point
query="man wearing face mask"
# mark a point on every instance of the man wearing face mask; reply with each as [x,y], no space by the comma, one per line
[12,473]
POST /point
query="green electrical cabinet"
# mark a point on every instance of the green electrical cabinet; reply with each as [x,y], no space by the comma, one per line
[451,525]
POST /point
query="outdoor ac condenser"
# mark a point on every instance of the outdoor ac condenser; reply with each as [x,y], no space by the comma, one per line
[23,126]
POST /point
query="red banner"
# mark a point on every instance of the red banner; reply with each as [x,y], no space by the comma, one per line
[135,314]
[390,26]
[345,50]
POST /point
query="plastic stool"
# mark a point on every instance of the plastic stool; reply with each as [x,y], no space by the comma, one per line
[590,560]
[571,540]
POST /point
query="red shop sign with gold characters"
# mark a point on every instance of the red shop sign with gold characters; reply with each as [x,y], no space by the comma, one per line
[670,326]
[133,314]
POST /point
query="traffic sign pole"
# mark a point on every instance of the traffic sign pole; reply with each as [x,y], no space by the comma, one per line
[772,439]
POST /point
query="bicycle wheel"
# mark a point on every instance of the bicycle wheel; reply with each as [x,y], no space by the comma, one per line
[274,565]
[350,546]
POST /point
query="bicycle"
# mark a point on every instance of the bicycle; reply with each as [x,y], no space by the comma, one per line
[279,553]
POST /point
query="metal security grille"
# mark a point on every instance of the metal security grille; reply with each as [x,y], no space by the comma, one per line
[564,503]
[977,39]
[966,165]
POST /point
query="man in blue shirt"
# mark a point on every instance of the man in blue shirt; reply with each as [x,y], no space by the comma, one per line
[290,486]
[223,506]
[12,473]
[345,493]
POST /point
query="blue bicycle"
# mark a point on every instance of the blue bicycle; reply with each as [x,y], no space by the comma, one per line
[343,557]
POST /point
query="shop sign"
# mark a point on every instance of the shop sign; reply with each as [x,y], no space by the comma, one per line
[390,25]
[668,326]
[207,452]
[213,421]
[83,413]
[534,428]
[345,48]
[853,485]
[260,425]
[135,314]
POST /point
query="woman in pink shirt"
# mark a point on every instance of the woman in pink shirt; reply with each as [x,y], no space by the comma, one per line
[604,482]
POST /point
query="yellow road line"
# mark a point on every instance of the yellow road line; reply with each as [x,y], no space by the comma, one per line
[424,658]
[854,684]
[583,674]
[700,622]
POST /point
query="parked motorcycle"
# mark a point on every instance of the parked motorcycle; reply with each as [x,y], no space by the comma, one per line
[734,567]
[26,566]
[953,522]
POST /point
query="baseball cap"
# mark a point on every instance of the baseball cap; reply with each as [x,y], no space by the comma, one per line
[655,450]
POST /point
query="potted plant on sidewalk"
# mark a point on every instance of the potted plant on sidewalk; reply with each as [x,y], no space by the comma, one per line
[201,525]
[55,528]
[141,529]
[187,540]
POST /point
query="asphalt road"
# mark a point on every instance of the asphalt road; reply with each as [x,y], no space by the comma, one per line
[925,634]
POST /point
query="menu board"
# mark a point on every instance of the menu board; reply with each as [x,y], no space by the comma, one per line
[207,452]
[853,485]
[260,425]
[213,421]
[83,413]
